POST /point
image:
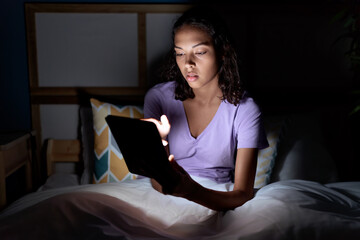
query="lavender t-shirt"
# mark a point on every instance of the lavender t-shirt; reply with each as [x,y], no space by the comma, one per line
[212,154]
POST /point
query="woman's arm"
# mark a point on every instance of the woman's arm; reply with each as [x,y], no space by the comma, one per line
[245,169]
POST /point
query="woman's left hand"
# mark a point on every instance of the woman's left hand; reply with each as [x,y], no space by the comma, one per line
[186,185]
[183,186]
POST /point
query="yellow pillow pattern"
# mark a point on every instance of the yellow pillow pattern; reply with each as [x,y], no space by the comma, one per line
[109,163]
[266,157]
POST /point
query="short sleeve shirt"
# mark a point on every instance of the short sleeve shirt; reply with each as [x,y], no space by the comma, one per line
[212,154]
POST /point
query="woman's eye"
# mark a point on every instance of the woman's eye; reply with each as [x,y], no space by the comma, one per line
[200,53]
[179,54]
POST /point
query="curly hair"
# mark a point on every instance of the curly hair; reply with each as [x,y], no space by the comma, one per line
[229,78]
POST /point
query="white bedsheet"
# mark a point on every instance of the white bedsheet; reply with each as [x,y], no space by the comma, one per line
[292,209]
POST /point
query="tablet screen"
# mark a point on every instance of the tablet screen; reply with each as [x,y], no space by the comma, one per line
[141,146]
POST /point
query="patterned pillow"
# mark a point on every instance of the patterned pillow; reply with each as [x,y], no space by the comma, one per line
[109,163]
[266,157]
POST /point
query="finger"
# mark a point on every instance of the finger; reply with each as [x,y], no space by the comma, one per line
[153,120]
[164,120]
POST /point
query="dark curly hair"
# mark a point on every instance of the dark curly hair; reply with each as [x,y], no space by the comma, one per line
[229,78]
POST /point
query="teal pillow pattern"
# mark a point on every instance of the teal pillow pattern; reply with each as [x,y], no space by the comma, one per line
[110,165]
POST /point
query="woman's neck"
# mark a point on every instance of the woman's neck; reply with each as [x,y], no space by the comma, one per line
[208,94]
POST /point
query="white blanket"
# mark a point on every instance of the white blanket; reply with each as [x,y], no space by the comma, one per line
[293,209]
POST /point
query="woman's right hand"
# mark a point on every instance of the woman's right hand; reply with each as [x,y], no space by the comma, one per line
[163,125]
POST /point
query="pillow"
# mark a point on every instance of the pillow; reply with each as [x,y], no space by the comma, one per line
[266,156]
[302,153]
[109,163]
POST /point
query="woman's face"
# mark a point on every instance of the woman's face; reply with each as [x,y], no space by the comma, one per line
[195,56]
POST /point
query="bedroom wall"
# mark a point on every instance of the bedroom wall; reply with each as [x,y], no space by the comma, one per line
[90,55]
[284,48]
[281,49]
[14,90]
[14,84]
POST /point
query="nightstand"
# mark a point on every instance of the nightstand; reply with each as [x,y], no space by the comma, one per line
[15,152]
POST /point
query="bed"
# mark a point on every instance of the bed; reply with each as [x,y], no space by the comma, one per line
[297,197]
[300,187]
[293,209]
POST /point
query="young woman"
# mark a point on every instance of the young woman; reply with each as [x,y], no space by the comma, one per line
[215,126]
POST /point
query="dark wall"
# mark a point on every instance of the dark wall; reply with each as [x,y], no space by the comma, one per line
[15,112]
[287,55]
[14,90]
[283,47]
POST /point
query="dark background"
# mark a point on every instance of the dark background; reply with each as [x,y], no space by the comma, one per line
[289,47]
[290,61]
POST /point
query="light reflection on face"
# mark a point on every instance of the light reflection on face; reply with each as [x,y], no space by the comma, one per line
[195,56]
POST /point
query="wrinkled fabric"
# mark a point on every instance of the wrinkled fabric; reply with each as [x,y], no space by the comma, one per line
[293,209]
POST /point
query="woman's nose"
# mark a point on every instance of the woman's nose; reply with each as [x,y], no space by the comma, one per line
[189,62]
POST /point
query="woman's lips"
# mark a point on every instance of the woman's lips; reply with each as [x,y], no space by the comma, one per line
[191,77]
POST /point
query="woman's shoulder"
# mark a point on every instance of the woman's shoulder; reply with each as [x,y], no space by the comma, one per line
[166,88]
[245,110]
[246,103]
[162,91]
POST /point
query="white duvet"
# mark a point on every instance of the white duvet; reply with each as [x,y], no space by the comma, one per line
[293,209]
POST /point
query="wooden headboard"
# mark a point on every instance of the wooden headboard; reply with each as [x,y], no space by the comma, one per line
[59,77]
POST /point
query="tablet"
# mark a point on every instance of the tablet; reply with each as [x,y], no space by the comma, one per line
[141,146]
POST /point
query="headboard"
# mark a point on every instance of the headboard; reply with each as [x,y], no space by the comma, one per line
[81,50]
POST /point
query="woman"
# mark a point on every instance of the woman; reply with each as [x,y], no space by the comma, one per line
[215,127]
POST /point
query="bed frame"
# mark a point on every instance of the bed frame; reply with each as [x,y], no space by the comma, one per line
[41,95]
